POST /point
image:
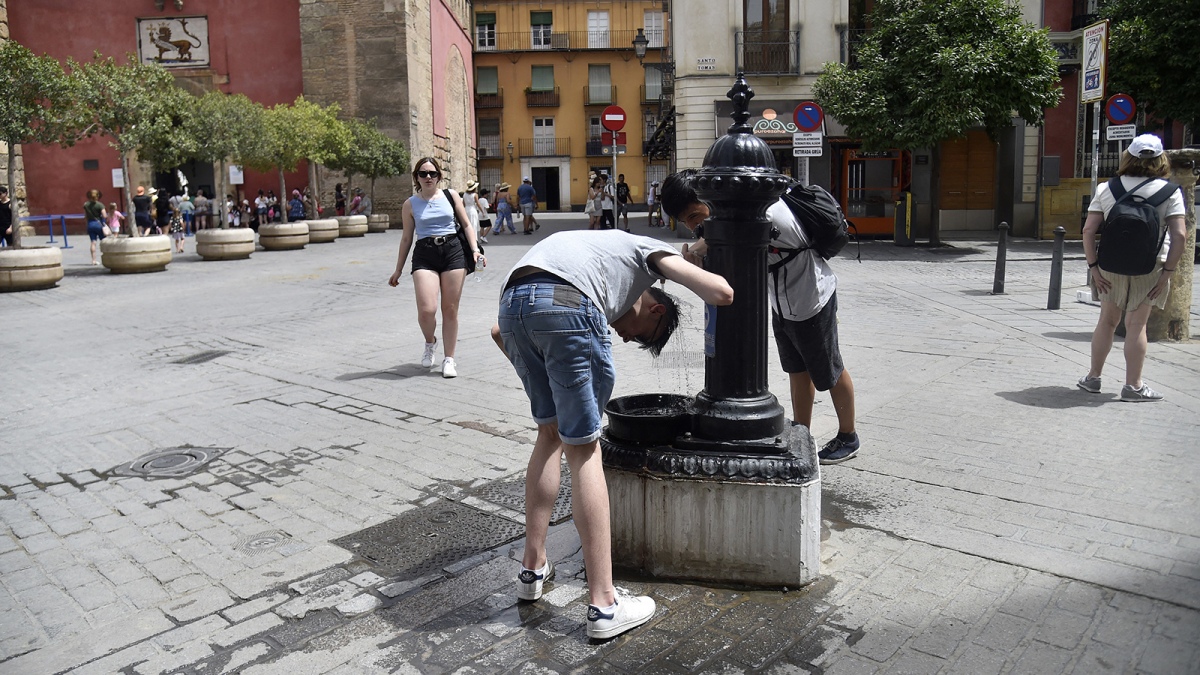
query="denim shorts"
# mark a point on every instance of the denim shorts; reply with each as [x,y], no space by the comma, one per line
[95,230]
[559,344]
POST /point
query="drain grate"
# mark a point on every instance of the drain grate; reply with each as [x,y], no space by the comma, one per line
[511,494]
[429,538]
[169,463]
[202,357]
[262,542]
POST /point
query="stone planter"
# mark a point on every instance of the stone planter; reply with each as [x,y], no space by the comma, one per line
[352,226]
[283,236]
[229,244]
[132,255]
[377,222]
[30,269]
[322,230]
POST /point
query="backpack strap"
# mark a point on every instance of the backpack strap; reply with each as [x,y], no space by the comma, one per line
[1117,188]
[1163,194]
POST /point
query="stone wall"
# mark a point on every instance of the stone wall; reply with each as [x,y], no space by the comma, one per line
[357,53]
[15,192]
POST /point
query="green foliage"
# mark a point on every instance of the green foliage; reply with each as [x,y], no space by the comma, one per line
[34,96]
[930,70]
[136,105]
[1152,52]
[227,127]
[302,130]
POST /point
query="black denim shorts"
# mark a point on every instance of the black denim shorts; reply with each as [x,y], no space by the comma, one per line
[811,345]
[431,255]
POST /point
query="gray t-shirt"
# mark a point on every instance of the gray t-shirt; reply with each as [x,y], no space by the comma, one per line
[611,267]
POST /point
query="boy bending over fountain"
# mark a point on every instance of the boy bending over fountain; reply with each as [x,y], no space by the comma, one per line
[803,312]
[555,311]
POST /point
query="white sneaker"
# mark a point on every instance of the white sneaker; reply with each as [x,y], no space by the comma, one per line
[529,582]
[427,359]
[629,612]
[448,369]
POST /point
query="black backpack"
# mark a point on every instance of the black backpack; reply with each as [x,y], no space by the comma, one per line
[1132,235]
[821,218]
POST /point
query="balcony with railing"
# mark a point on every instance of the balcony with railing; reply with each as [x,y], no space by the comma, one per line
[544,147]
[650,95]
[538,40]
[493,100]
[599,94]
[1085,13]
[489,147]
[776,54]
[851,39]
[541,98]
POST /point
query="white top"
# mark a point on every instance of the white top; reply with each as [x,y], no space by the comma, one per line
[806,282]
[607,197]
[1173,206]
[471,208]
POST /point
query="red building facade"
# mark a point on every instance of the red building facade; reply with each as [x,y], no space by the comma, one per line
[235,47]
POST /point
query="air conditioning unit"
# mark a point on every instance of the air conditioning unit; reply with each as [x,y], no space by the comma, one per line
[560,41]
[483,152]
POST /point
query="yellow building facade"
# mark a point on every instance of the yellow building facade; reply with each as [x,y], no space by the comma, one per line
[544,74]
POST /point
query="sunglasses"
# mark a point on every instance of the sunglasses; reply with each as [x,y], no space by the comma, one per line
[428,174]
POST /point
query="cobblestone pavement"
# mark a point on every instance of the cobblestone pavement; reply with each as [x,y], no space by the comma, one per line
[997,520]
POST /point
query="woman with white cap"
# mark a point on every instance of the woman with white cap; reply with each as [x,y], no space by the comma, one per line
[470,197]
[1141,180]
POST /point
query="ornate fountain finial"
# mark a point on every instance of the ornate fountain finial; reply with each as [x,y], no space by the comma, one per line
[740,94]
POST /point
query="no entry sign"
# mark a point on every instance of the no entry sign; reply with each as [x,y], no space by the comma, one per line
[1120,109]
[809,116]
[613,118]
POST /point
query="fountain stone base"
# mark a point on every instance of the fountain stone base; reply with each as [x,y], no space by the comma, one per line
[684,508]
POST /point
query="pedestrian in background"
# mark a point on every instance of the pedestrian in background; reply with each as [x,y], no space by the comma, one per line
[623,200]
[527,200]
[6,217]
[504,210]
[1143,171]
[608,201]
[295,207]
[593,204]
[339,200]
[431,218]
[653,209]
[141,210]
[175,228]
[162,212]
[485,220]
[95,215]
[115,218]
[188,210]
[470,198]
[203,206]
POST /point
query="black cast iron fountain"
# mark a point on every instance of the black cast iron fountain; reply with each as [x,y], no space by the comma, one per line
[720,486]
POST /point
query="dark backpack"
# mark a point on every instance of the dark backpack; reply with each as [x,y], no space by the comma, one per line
[1132,235]
[821,218]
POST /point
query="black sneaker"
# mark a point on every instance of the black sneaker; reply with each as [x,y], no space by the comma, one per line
[837,450]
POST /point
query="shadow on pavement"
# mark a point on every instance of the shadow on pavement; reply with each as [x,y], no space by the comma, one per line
[1073,337]
[400,372]
[1056,398]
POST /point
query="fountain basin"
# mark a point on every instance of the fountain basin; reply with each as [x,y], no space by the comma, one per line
[649,419]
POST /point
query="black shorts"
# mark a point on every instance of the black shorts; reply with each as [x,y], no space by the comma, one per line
[443,257]
[811,345]
[485,223]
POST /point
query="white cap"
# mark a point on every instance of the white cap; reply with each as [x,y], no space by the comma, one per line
[526,180]
[1146,146]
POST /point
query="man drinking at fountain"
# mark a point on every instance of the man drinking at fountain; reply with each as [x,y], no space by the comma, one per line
[555,311]
[803,312]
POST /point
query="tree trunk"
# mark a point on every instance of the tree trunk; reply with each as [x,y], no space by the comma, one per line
[1173,321]
[935,200]
[283,197]
[314,187]
[130,216]
[372,194]
[219,198]
[15,221]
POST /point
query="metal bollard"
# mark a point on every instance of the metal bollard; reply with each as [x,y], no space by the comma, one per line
[1055,298]
[1001,256]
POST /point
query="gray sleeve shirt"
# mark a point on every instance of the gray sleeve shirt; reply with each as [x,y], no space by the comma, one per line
[611,267]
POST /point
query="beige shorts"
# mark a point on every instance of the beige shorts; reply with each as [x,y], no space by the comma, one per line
[1130,292]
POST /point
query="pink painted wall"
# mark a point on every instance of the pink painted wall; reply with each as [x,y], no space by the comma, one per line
[254,50]
[448,36]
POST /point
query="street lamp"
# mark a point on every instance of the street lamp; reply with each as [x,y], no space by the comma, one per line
[639,44]
[510,151]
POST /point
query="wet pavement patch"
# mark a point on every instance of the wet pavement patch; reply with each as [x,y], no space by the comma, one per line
[169,463]
[429,538]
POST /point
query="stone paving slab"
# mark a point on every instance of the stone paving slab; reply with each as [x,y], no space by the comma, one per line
[997,519]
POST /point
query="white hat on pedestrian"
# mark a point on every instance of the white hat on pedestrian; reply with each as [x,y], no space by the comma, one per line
[1146,146]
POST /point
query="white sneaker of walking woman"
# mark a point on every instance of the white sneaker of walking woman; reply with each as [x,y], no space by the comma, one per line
[448,369]
[427,358]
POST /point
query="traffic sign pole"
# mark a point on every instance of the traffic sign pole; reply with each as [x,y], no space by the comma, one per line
[613,119]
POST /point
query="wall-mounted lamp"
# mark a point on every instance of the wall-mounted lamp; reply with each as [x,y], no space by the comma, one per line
[510,151]
[639,44]
[160,3]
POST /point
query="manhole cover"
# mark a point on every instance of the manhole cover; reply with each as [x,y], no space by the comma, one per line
[202,357]
[169,463]
[511,494]
[422,540]
[262,542]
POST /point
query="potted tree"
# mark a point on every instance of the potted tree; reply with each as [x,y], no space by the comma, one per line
[136,105]
[231,127]
[34,94]
[387,158]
